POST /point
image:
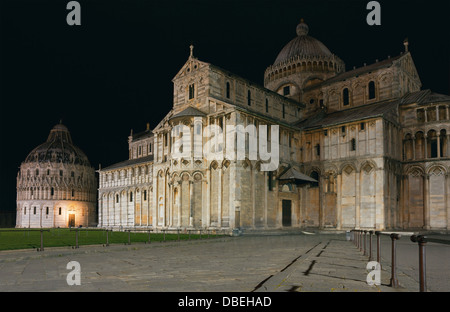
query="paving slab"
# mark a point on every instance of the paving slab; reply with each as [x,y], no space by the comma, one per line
[275,263]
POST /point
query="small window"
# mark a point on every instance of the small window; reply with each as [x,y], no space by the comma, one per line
[353,145]
[131,197]
[267,105]
[318,150]
[72,174]
[37,172]
[191,91]
[46,210]
[117,198]
[59,211]
[420,115]
[60,173]
[343,129]
[371,90]
[249,98]
[325,132]
[34,210]
[270,181]
[362,126]
[145,195]
[315,176]
[25,211]
[73,193]
[228,90]
[345,97]
[52,191]
[48,171]
[284,111]
[286,90]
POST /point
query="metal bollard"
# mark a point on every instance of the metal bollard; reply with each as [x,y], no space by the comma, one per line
[370,245]
[421,240]
[76,238]
[360,240]
[394,280]
[42,241]
[365,250]
[378,233]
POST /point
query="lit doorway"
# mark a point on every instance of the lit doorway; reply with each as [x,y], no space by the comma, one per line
[71,220]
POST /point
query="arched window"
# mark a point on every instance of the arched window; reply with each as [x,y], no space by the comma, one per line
[371,90]
[353,144]
[315,176]
[345,97]
[228,90]
[191,91]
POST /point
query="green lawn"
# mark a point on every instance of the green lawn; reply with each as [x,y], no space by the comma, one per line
[24,238]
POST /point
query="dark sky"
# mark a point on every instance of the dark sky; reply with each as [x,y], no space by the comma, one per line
[113,73]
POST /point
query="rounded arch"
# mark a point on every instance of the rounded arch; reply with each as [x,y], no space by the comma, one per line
[415,170]
[348,168]
[436,169]
[368,166]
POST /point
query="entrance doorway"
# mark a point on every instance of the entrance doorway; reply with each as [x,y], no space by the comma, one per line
[71,220]
[286,213]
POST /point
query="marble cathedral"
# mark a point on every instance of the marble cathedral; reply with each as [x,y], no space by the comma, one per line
[365,148]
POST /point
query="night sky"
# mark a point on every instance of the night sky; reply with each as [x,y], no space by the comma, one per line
[114,72]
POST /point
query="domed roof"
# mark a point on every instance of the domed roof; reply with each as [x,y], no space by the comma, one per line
[303,45]
[58,148]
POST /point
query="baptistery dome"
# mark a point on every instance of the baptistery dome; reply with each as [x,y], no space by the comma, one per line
[58,148]
[56,185]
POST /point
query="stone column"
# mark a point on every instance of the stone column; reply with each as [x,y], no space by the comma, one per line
[426,197]
[266,198]
[338,201]
[170,208]
[425,138]
[191,202]
[208,198]
[357,199]
[219,198]
[438,144]
[177,186]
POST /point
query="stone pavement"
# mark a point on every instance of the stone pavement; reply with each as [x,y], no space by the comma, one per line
[273,262]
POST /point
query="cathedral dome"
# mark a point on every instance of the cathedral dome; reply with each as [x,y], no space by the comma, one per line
[58,148]
[302,46]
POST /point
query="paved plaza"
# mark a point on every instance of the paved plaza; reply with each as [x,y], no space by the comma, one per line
[272,262]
